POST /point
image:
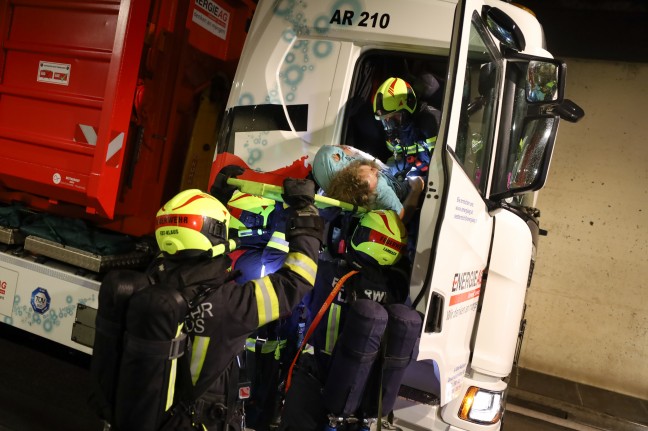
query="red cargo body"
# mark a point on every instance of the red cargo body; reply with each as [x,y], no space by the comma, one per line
[98,100]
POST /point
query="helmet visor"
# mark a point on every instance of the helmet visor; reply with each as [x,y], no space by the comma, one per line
[392,121]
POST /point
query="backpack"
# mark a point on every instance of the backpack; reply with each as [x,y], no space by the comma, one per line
[141,353]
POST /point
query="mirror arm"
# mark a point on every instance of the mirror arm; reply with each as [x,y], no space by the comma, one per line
[567,110]
[493,205]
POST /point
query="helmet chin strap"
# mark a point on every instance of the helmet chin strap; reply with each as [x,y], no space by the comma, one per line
[224,248]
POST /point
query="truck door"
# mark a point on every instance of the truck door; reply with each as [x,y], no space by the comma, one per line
[455,226]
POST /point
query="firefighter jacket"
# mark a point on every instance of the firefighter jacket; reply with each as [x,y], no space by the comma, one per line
[220,323]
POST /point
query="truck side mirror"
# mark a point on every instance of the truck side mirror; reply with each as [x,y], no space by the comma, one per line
[530,169]
[542,82]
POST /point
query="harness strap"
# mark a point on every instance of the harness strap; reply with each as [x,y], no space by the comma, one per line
[107,327]
[316,321]
[172,349]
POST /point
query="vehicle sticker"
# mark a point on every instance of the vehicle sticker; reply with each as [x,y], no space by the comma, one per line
[464,210]
[467,280]
[210,16]
[362,19]
[466,286]
[8,282]
[54,73]
[40,300]
[26,315]
[453,384]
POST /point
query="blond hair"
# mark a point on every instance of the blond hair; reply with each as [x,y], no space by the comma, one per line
[348,185]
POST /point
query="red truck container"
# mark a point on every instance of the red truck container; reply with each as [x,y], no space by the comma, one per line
[108,108]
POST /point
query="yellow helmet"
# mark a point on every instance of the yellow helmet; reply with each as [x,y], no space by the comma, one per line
[249,211]
[394,95]
[193,221]
[378,240]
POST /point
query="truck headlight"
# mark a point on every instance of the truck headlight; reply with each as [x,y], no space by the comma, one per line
[481,406]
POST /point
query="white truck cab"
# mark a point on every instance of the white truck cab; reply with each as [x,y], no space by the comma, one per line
[306,79]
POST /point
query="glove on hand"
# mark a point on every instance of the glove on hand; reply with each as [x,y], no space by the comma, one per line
[303,217]
[220,189]
[298,194]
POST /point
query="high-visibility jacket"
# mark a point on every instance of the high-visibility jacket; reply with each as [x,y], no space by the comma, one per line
[219,325]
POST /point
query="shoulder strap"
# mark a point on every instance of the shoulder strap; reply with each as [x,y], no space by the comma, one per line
[196,293]
[316,321]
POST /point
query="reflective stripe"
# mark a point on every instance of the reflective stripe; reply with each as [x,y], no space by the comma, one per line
[278,241]
[267,302]
[198,353]
[431,140]
[265,213]
[308,349]
[302,265]
[332,328]
[172,375]
[268,346]
[250,202]
[236,224]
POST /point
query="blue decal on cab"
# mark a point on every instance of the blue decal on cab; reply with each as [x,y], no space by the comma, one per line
[40,300]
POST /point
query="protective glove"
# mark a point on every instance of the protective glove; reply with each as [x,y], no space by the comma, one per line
[298,194]
[220,189]
[303,217]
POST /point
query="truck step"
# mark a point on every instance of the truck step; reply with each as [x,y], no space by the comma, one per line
[418,395]
[83,259]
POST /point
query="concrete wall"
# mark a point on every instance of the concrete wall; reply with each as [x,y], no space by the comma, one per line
[587,315]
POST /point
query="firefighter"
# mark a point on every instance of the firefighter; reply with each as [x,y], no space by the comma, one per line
[257,222]
[218,313]
[260,225]
[367,274]
[410,128]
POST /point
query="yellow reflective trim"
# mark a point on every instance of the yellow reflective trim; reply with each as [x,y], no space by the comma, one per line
[332,328]
[198,353]
[266,212]
[267,301]
[280,345]
[308,350]
[302,265]
[278,241]
[431,140]
[268,346]
[236,224]
[172,376]
[249,202]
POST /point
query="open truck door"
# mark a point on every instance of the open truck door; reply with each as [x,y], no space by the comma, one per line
[452,256]
[502,107]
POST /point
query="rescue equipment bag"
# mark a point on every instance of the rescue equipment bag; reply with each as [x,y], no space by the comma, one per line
[403,329]
[116,290]
[140,362]
[355,353]
[153,342]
